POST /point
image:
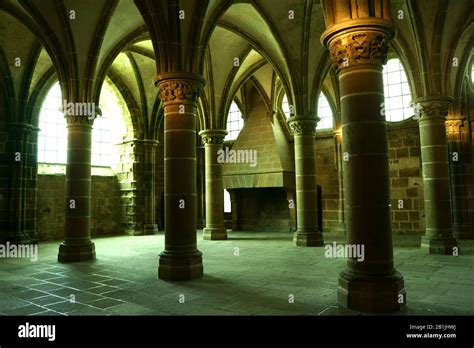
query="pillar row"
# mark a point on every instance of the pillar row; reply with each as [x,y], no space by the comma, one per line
[307,230]
[179,92]
[358,48]
[214,230]
[432,112]
[77,244]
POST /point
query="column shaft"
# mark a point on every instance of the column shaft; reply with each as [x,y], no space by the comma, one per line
[149,223]
[460,172]
[214,229]
[438,238]
[341,227]
[18,221]
[181,260]
[77,244]
[307,230]
[358,49]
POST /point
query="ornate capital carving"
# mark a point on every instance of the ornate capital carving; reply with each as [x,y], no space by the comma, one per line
[454,126]
[356,48]
[426,109]
[79,120]
[179,87]
[303,126]
[213,136]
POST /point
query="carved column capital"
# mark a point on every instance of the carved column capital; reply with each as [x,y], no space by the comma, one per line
[303,125]
[79,120]
[454,125]
[359,48]
[176,88]
[80,113]
[213,136]
[430,108]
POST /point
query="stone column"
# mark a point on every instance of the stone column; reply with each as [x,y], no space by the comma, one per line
[77,245]
[358,44]
[341,226]
[307,230]
[438,238]
[201,188]
[149,152]
[17,225]
[179,92]
[459,154]
[214,230]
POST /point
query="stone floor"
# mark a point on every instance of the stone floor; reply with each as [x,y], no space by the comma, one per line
[249,274]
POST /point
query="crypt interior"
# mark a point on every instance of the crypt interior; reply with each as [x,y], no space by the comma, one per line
[205,157]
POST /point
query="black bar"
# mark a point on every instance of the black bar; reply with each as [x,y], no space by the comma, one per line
[226,330]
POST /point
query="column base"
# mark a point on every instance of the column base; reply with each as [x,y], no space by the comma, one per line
[371,294]
[180,266]
[150,229]
[214,234]
[312,239]
[76,253]
[443,246]
[464,231]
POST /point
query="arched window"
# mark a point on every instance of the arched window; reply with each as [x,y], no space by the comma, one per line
[324,113]
[227,202]
[235,123]
[108,129]
[285,106]
[396,91]
[52,138]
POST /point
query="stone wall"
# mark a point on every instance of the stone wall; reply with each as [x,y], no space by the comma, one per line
[405,178]
[326,177]
[105,206]
[406,181]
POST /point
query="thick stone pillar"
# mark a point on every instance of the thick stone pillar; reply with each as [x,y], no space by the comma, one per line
[149,152]
[438,238]
[179,92]
[307,230]
[460,174]
[358,44]
[214,230]
[18,180]
[77,244]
